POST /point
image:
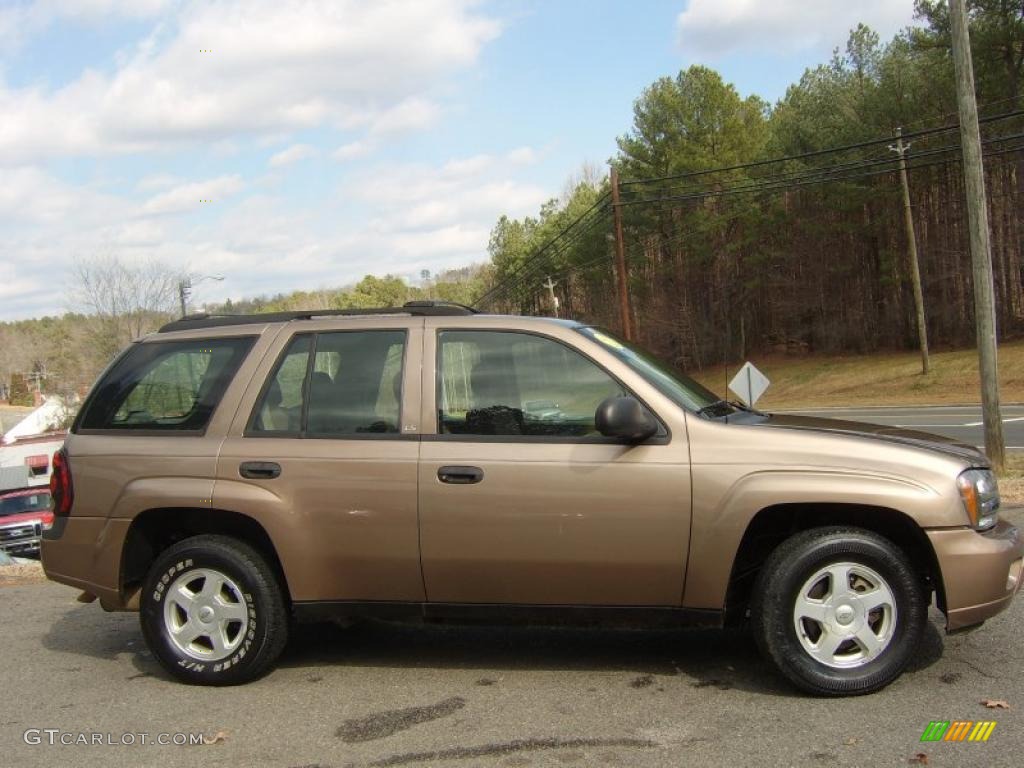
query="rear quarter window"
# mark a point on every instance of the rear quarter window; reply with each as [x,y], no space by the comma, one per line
[171,386]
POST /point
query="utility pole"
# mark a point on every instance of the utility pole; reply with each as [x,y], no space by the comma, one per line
[620,260]
[184,286]
[550,285]
[915,269]
[977,219]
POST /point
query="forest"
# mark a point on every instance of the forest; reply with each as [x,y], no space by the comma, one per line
[749,227]
[731,251]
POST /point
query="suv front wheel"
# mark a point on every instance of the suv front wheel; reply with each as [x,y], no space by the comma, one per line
[839,611]
[212,611]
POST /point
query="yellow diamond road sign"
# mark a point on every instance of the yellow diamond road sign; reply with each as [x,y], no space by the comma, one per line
[749,384]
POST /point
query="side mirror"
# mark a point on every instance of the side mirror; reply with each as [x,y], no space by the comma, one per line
[625,418]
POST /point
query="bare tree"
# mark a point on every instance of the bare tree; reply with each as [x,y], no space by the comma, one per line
[589,174]
[123,300]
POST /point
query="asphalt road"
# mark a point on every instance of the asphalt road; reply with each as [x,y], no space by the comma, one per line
[960,421]
[388,695]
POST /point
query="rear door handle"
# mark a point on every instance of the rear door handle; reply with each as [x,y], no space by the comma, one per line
[460,475]
[259,470]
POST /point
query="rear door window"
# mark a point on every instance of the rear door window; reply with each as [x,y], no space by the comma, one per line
[334,384]
[171,386]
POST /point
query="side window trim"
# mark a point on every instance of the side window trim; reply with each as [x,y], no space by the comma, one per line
[307,383]
[303,433]
[250,423]
[663,437]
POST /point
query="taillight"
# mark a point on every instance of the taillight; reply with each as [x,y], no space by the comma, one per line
[61,490]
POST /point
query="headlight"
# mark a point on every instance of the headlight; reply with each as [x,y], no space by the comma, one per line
[980,494]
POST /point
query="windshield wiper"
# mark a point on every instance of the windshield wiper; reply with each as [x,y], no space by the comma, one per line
[725,407]
[716,406]
[740,406]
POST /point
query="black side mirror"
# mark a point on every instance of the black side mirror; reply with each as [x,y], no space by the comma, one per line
[625,418]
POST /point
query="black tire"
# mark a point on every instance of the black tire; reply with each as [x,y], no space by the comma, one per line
[260,639]
[783,576]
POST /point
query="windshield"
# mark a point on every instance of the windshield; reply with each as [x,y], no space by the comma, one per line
[30,502]
[681,389]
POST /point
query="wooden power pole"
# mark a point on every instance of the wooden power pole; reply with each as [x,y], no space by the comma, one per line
[977,220]
[915,269]
[620,261]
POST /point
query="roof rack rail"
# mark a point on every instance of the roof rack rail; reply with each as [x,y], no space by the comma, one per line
[414,308]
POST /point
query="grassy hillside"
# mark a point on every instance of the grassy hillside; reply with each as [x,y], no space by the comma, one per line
[888,379]
[1011,482]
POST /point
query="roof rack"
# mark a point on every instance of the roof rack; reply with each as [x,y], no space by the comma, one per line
[414,308]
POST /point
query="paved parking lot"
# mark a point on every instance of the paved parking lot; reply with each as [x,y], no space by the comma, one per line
[377,695]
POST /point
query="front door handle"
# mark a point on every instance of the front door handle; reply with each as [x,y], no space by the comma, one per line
[460,475]
[259,470]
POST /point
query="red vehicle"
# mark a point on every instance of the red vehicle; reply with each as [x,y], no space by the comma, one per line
[24,515]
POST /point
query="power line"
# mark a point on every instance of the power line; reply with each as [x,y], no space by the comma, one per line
[488,295]
[533,266]
[956,113]
[633,249]
[815,153]
[812,177]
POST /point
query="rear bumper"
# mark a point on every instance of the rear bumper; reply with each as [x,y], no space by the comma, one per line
[981,572]
[85,552]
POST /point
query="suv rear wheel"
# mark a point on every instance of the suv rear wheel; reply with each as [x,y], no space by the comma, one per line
[212,611]
[839,611]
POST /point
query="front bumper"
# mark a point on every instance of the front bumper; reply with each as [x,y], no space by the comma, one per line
[981,572]
[21,538]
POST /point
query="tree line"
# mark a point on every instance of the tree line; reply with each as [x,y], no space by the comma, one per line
[809,254]
[115,301]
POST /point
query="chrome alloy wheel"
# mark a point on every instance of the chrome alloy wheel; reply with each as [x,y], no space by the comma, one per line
[205,614]
[845,615]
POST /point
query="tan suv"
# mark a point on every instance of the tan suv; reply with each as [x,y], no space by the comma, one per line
[229,474]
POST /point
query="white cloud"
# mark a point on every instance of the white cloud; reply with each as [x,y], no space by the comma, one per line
[293,154]
[710,28]
[463,191]
[386,218]
[355,75]
[272,66]
[353,150]
[188,197]
[411,114]
[467,166]
[157,181]
[522,156]
[20,21]
[31,197]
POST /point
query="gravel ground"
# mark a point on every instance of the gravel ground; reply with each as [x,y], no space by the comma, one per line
[20,574]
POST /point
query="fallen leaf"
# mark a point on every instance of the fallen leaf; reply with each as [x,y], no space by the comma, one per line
[217,738]
[995,703]
[919,759]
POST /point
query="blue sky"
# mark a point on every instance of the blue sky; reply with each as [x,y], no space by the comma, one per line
[338,138]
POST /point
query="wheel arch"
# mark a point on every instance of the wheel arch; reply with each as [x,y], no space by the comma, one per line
[154,530]
[774,524]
